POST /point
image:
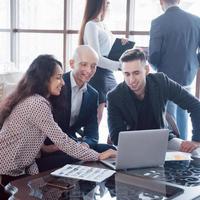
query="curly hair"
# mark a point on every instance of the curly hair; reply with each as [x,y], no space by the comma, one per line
[35,81]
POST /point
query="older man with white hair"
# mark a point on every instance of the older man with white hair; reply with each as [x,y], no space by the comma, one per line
[75,110]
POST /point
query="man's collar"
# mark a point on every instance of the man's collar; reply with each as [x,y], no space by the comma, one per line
[171,7]
[74,84]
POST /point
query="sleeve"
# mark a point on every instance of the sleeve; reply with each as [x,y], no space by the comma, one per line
[42,118]
[116,123]
[92,35]
[186,101]
[91,132]
[155,45]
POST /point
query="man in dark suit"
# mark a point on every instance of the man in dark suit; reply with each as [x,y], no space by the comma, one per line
[174,39]
[75,110]
[139,102]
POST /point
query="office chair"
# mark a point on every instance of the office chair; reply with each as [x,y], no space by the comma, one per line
[172,123]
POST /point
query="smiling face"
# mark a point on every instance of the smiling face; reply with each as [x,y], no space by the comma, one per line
[56,81]
[135,76]
[84,65]
[104,11]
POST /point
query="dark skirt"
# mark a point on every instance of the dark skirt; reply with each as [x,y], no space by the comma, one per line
[103,81]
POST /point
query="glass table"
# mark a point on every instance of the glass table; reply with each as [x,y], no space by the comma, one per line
[178,180]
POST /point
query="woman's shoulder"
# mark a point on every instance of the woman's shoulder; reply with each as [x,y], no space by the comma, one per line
[91,24]
[36,99]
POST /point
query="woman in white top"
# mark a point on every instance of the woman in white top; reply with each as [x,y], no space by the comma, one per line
[93,32]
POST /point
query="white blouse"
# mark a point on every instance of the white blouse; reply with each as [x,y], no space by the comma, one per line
[101,40]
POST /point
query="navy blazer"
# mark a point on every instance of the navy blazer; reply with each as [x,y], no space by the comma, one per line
[174,40]
[122,113]
[87,119]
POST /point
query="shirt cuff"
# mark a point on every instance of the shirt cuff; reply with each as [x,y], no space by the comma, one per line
[174,144]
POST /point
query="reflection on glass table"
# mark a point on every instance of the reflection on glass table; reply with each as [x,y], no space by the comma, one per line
[185,173]
[117,187]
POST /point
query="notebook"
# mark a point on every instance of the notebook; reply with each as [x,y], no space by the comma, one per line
[138,149]
[118,49]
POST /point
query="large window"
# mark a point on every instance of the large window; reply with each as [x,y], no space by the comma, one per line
[5,14]
[41,14]
[5,31]
[32,27]
[33,44]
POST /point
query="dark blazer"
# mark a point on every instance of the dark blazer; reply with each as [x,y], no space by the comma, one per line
[87,119]
[122,113]
[174,40]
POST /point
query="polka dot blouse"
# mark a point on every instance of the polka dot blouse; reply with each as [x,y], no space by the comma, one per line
[24,132]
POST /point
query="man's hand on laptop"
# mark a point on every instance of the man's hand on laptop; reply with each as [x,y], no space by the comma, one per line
[188,146]
[110,153]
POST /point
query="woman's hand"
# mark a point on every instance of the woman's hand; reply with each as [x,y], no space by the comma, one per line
[49,148]
[110,153]
[124,41]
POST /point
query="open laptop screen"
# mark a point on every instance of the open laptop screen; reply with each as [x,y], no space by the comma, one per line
[144,148]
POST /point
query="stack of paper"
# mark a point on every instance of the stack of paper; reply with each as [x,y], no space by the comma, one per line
[83,173]
[177,155]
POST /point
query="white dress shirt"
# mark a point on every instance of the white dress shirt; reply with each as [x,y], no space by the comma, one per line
[76,99]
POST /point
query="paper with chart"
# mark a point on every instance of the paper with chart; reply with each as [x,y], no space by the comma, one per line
[83,173]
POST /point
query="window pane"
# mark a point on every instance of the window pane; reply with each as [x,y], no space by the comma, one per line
[72,42]
[140,40]
[76,6]
[5,14]
[145,11]
[5,47]
[192,6]
[116,20]
[37,14]
[33,44]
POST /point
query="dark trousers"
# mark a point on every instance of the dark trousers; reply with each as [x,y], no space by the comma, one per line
[59,158]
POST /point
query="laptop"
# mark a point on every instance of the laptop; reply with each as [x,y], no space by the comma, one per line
[118,49]
[140,149]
